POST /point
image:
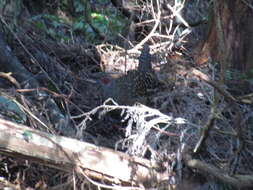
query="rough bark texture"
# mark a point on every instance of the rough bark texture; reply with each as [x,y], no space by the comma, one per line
[229,39]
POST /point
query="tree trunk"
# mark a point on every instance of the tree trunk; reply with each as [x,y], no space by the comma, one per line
[229,40]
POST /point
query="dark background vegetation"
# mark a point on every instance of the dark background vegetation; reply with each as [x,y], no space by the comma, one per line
[59,50]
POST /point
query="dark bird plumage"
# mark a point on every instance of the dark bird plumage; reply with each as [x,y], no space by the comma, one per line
[135,84]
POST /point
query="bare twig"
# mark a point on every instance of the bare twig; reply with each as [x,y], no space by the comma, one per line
[176,13]
[157,21]
[10,78]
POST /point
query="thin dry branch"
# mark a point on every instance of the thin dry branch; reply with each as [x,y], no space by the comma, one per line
[157,21]
[176,13]
[9,77]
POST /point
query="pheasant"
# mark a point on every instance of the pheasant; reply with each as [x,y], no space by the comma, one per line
[133,86]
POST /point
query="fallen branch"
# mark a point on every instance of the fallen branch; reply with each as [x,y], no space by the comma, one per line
[239,181]
[67,154]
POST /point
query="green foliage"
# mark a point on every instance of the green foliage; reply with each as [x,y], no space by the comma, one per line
[41,25]
[102,1]
[100,21]
[51,25]
[107,21]
[79,5]
[64,5]
[55,21]
[108,24]
[79,24]
[11,109]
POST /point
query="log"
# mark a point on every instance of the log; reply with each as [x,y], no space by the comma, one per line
[239,181]
[67,154]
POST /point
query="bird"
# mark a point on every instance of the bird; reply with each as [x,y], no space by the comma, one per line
[135,84]
[145,60]
[147,78]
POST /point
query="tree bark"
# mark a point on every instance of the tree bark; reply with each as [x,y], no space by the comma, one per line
[229,40]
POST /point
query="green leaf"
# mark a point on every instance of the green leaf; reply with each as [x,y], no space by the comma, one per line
[78,25]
